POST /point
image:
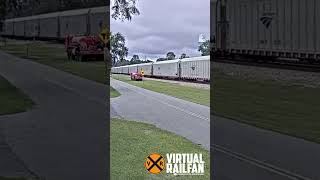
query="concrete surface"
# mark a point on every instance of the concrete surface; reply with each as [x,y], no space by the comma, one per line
[65,135]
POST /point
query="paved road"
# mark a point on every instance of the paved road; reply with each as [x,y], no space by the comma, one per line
[10,164]
[182,117]
[241,152]
[65,135]
[278,154]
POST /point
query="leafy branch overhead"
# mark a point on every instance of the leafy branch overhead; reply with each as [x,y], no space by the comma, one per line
[16,7]
[124,9]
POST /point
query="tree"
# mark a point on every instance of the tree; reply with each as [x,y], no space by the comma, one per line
[19,7]
[204,48]
[124,9]
[135,58]
[161,59]
[184,55]
[118,47]
[171,56]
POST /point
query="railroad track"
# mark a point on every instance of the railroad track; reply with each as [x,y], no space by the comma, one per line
[277,64]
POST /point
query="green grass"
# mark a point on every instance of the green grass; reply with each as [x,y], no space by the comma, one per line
[113,93]
[132,142]
[12,100]
[273,105]
[196,95]
[55,56]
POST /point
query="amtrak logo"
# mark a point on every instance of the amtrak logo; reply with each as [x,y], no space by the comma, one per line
[266,21]
[193,68]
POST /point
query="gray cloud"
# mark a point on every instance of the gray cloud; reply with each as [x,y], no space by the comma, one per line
[166,25]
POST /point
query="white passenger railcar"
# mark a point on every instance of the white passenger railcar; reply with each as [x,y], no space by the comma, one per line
[124,69]
[133,68]
[8,28]
[146,68]
[195,68]
[18,27]
[74,22]
[166,68]
[49,25]
[98,19]
[59,24]
[117,70]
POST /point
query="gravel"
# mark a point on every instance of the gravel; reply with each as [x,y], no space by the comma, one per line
[294,77]
[182,83]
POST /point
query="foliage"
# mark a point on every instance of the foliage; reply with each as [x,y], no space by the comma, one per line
[124,9]
[183,56]
[204,48]
[171,56]
[118,47]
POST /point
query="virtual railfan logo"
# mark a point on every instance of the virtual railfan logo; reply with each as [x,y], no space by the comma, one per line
[176,164]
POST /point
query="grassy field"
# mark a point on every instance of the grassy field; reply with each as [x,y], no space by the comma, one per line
[12,100]
[132,142]
[196,95]
[55,56]
[114,93]
[277,106]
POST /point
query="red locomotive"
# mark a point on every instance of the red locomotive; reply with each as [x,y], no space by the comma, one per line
[82,48]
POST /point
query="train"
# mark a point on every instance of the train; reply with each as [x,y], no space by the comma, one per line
[266,28]
[58,25]
[195,68]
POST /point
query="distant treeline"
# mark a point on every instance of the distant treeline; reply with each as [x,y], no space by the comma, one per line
[129,62]
[34,7]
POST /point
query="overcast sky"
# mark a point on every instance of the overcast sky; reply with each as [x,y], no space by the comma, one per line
[165,25]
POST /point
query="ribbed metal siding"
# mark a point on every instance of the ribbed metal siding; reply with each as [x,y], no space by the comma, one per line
[125,70]
[19,28]
[195,69]
[49,27]
[147,68]
[32,28]
[166,69]
[8,28]
[133,69]
[289,26]
[76,25]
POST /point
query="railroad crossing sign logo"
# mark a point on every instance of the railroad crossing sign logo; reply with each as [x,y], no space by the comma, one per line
[104,35]
[155,163]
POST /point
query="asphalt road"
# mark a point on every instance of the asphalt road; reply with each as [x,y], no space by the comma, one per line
[182,117]
[282,155]
[241,152]
[65,135]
